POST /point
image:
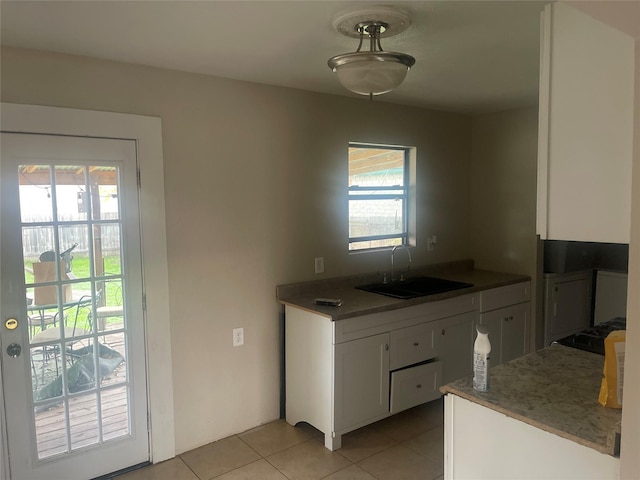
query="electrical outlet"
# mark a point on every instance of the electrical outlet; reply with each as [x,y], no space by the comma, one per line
[431,243]
[238,337]
[319,264]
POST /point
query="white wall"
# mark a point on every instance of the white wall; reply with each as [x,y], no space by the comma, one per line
[503,194]
[255,183]
[630,460]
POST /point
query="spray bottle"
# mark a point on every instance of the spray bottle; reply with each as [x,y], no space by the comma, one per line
[481,351]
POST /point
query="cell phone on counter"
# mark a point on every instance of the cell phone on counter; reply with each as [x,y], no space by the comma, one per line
[329,302]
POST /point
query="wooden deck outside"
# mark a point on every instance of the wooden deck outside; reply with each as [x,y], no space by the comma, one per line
[84,424]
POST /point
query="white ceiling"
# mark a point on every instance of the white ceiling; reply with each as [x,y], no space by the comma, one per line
[471,56]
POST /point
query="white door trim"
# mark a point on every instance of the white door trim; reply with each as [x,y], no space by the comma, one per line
[147,132]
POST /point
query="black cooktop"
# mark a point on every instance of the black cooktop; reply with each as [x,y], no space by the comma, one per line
[592,339]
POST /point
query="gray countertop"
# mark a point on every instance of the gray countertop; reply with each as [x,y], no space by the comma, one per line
[555,389]
[358,302]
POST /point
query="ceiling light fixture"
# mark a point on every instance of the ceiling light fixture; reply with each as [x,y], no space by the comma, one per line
[372,72]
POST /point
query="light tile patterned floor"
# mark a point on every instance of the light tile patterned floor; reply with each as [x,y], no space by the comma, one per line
[406,446]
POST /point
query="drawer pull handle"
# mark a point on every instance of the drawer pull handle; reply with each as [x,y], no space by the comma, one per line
[416,344]
[419,385]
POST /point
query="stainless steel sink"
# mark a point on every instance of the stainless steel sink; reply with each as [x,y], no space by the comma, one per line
[414,287]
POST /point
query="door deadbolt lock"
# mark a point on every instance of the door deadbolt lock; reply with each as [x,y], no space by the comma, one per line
[14,350]
[11,323]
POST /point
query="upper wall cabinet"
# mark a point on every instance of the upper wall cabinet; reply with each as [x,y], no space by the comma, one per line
[585,128]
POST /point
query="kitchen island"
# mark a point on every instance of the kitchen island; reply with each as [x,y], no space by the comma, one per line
[540,419]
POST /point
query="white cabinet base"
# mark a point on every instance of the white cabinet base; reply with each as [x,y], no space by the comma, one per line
[480,443]
[341,376]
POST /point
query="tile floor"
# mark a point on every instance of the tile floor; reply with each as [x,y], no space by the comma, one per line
[406,446]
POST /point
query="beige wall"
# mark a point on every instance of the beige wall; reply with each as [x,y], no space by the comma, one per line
[630,460]
[255,181]
[503,193]
[503,189]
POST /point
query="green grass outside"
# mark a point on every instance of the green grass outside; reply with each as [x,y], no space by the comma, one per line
[80,268]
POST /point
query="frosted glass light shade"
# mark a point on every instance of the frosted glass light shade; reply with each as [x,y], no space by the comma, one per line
[371,77]
[369,73]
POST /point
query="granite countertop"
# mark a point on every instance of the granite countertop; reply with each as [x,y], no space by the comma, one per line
[555,389]
[358,302]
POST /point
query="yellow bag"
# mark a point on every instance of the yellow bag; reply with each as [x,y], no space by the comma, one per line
[613,379]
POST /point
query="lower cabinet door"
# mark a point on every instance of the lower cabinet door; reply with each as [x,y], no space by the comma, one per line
[458,335]
[514,332]
[361,381]
[494,320]
[414,386]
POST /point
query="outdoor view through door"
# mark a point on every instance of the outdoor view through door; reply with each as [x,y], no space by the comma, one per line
[77,345]
[75,379]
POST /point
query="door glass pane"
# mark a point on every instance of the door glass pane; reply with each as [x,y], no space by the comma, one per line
[104,192]
[81,366]
[45,370]
[112,359]
[35,193]
[107,244]
[75,296]
[38,245]
[83,420]
[71,193]
[74,251]
[115,419]
[51,432]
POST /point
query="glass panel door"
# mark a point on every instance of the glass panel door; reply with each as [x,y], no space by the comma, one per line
[79,315]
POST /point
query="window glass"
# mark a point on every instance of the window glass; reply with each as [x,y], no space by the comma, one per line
[378,196]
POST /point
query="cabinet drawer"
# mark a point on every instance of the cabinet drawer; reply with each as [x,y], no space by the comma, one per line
[504,296]
[414,386]
[412,345]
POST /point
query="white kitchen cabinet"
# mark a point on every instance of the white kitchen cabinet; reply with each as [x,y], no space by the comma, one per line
[457,337]
[343,375]
[585,128]
[507,332]
[493,321]
[505,312]
[567,303]
[361,381]
[514,332]
[610,296]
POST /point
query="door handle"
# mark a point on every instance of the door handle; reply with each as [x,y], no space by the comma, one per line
[14,350]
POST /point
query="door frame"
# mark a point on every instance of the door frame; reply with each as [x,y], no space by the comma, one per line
[147,133]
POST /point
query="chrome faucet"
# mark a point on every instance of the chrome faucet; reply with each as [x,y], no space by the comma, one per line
[393,251]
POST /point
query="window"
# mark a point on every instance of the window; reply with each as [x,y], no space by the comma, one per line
[378,196]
